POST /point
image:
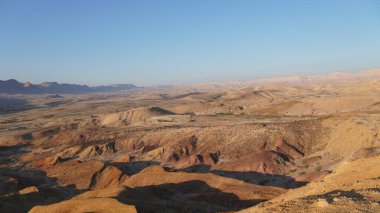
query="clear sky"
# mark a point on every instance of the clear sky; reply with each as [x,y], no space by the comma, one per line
[184,41]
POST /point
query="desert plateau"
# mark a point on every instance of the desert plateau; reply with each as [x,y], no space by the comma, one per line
[273,147]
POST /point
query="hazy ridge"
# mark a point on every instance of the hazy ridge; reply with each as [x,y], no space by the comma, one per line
[13,86]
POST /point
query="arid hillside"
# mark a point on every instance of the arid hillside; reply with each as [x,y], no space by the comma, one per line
[271,148]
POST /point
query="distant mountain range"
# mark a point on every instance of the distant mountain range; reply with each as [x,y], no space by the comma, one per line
[13,86]
[334,77]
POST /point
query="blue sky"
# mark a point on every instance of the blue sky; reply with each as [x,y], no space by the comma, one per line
[184,41]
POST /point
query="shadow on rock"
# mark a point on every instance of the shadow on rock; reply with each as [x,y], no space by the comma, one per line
[133,167]
[264,179]
[189,196]
[21,189]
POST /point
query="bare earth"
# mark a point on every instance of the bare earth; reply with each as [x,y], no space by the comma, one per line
[269,148]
